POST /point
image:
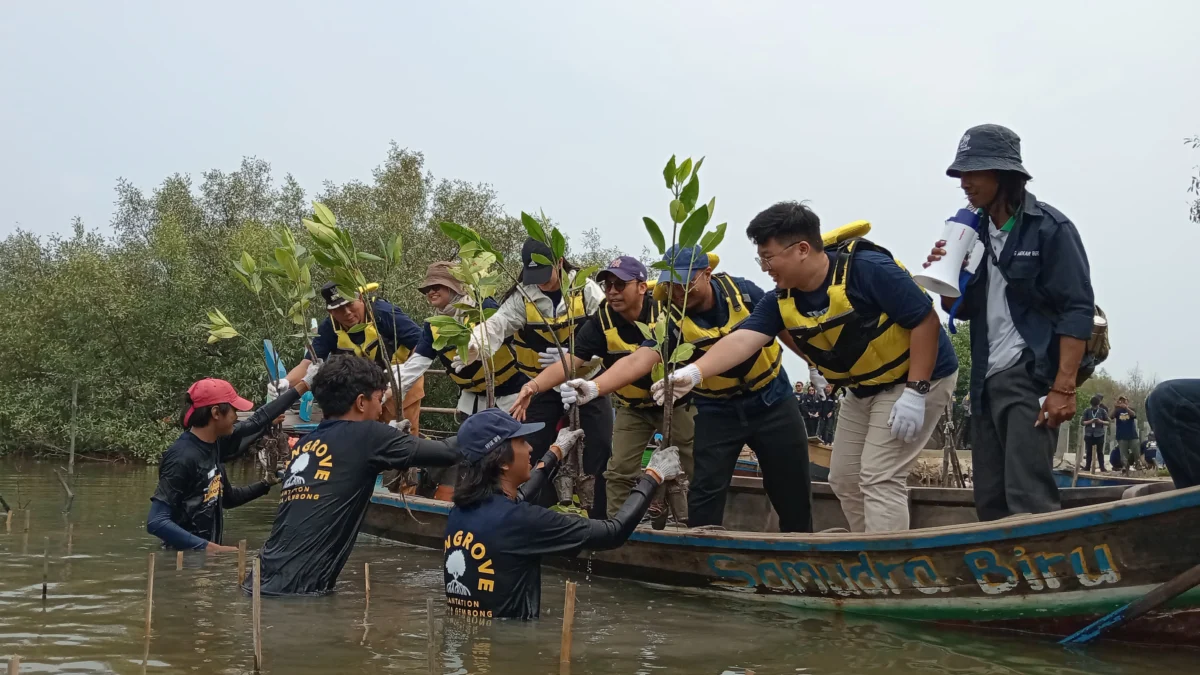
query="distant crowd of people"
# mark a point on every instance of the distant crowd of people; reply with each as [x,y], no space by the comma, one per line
[819,410]
[1127,449]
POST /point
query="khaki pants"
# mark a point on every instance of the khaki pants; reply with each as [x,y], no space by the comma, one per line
[633,430]
[868,470]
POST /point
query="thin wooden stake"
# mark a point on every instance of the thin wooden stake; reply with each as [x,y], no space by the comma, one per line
[568,623]
[241,562]
[367,579]
[74,407]
[28,513]
[178,560]
[257,614]
[45,567]
[14,665]
[149,595]
[70,536]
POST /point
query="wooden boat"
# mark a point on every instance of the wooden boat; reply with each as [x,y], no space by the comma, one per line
[1049,573]
[1087,479]
[818,462]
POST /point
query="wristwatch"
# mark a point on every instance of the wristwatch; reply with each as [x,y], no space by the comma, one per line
[920,386]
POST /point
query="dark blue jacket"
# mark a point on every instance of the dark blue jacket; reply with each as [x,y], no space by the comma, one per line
[1049,292]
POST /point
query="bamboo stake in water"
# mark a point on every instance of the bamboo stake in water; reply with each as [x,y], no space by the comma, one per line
[149,595]
[257,614]
[241,561]
[14,665]
[367,579]
[568,623]
[28,513]
[45,567]
[70,536]
[178,560]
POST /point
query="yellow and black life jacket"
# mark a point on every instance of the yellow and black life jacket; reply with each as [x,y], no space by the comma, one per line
[752,374]
[535,335]
[637,393]
[850,347]
[369,347]
[472,377]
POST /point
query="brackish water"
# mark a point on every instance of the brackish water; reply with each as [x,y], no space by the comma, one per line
[93,620]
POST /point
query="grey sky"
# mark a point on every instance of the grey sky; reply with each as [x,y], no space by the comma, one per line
[857,107]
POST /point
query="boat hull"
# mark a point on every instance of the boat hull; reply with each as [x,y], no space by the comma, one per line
[1064,477]
[1050,573]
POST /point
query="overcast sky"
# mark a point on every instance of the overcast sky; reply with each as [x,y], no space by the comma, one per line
[574,108]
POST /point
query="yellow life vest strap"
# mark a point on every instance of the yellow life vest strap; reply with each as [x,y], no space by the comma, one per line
[637,393]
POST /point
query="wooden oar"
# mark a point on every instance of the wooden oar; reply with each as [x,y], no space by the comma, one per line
[1148,602]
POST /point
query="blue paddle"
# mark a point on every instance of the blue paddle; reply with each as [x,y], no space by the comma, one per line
[1148,602]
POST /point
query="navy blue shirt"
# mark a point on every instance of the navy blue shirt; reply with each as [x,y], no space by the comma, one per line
[778,390]
[396,329]
[493,555]
[1126,421]
[425,348]
[876,284]
[1049,292]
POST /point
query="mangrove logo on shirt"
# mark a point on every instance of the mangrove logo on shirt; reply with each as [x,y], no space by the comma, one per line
[298,465]
[311,463]
[469,571]
[213,491]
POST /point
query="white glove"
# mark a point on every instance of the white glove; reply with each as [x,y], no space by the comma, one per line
[274,389]
[475,346]
[309,374]
[908,415]
[665,463]
[683,380]
[403,426]
[577,392]
[567,438]
[818,380]
[457,363]
[551,356]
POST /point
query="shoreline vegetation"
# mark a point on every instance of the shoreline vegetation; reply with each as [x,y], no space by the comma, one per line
[120,309]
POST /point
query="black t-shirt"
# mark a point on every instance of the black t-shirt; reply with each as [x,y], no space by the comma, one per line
[191,473]
[325,495]
[493,555]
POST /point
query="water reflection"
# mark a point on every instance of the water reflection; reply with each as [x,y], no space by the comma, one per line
[93,618]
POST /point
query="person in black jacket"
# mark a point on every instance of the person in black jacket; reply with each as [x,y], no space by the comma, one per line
[186,511]
[495,539]
[331,475]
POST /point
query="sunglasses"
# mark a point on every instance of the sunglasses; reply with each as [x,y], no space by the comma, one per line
[612,283]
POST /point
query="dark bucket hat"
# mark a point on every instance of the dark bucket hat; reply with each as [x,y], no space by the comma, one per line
[988,147]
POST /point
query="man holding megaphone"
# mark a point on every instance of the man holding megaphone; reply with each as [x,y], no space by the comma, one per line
[1031,309]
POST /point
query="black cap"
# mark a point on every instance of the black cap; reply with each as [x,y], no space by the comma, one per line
[988,147]
[332,300]
[533,272]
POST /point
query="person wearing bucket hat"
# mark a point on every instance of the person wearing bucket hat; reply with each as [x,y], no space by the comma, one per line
[611,334]
[444,291]
[187,509]
[388,342]
[1032,313]
[540,308]
[751,404]
[495,538]
[331,476]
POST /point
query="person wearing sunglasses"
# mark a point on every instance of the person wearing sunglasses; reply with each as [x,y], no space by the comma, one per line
[749,403]
[611,334]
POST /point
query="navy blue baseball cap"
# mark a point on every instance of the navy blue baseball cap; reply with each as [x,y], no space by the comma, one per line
[688,262]
[487,429]
[625,268]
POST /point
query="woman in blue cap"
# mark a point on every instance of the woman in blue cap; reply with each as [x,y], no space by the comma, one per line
[495,539]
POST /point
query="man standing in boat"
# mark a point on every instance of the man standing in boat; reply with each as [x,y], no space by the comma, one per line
[860,319]
[1031,308]
[388,343]
[610,335]
[752,404]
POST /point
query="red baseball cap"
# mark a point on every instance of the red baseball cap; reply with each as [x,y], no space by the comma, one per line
[211,391]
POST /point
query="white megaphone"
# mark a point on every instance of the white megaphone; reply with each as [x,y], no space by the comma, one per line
[960,236]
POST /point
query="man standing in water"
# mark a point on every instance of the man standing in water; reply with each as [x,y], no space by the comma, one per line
[1031,309]
[331,476]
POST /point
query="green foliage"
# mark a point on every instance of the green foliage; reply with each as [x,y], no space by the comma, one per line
[962,349]
[120,311]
